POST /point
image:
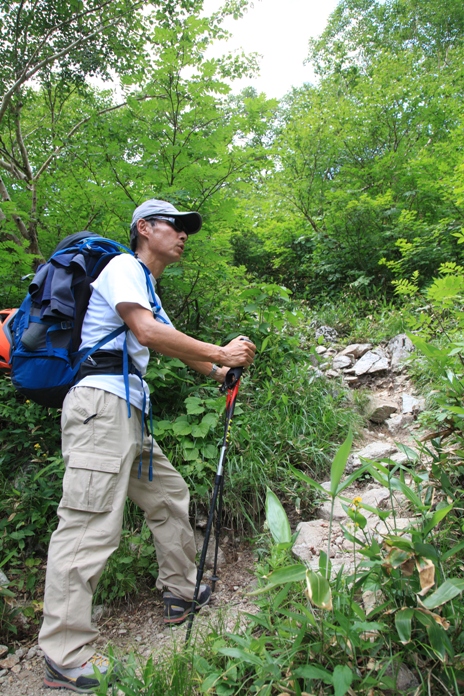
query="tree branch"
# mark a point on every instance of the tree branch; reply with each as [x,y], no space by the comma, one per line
[78,125]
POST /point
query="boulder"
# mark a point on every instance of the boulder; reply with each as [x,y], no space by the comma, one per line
[372,361]
[378,409]
[341,361]
[375,450]
[400,347]
[327,332]
[398,422]
[209,560]
[411,404]
[357,350]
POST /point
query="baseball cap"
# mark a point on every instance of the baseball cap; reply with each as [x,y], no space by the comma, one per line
[190,222]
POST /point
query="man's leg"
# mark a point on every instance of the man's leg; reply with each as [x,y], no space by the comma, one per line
[99,446]
[165,501]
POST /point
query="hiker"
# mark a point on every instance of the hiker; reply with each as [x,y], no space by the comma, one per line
[106,459]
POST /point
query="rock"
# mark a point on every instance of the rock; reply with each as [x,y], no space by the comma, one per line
[20,652]
[209,561]
[16,669]
[9,662]
[411,404]
[375,450]
[404,677]
[3,673]
[374,497]
[320,350]
[312,537]
[97,612]
[3,651]
[398,422]
[32,652]
[400,347]
[327,332]
[341,361]
[3,579]
[332,373]
[357,350]
[372,361]
[378,410]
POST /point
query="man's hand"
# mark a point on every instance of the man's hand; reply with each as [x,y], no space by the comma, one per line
[240,352]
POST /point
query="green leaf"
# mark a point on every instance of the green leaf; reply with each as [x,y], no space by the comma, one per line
[447,591]
[453,550]
[437,517]
[342,679]
[293,573]
[300,475]
[403,623]
[277,519]
[318,590]
[339,463]
[241,655]
[313,672]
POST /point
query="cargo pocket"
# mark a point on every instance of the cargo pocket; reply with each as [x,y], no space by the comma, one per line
[89,482]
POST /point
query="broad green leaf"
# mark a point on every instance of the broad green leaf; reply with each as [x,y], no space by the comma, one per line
[403,623]
[447,591]
[181,427]
[437,517]
[200,430]
[398,485]
[241,655]
[352,477]
[357,517]
[339,463]
[277,519]
[191,454]
[437,638]
[318,590]
[293,573]
[313,672]
[342,678]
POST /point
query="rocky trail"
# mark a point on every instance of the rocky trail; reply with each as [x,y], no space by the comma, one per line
[391,410]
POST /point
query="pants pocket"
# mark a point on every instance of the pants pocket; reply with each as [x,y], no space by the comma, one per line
[89,483]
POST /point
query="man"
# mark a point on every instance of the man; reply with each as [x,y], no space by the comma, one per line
[105,448]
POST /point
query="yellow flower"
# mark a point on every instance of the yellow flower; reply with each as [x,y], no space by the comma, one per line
[36,446]
[27,401]
[357,501]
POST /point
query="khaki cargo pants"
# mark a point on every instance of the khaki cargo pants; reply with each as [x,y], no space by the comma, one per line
[101,454]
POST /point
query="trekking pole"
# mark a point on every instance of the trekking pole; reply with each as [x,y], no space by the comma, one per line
[230,386]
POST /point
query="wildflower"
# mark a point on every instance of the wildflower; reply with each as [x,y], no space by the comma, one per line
[357,501]
[36,446]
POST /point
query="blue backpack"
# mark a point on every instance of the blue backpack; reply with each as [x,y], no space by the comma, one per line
[45,356]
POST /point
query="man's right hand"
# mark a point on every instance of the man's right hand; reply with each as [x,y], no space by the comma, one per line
[240,352]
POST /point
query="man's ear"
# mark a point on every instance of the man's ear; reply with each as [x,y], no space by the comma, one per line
[143,229]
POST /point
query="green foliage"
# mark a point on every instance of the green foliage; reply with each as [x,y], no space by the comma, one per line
[309,631]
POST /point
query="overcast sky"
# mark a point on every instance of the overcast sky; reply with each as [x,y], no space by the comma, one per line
[279,30]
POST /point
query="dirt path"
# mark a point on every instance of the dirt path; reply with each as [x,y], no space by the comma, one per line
[138,626]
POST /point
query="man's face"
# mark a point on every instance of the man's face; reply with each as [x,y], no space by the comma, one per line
[164,241]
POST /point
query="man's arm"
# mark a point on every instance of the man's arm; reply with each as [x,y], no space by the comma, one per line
[168,341]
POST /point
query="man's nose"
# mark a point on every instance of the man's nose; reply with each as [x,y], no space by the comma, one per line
[183,235]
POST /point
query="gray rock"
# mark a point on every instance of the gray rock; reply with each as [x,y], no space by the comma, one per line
[341,361]
[327,332]
[372,361]
[3,579]
[400,347]
[398,422]
[97,612]
[405,678]
[375,451]
[320,350]
[9,661]
[332,373]
[32,652]
[209,561]
[378,410]
[411,404]
[357,350]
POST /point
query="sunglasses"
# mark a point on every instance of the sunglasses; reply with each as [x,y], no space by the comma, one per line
[172,221]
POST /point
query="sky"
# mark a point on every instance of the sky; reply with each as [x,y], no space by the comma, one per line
[278,30]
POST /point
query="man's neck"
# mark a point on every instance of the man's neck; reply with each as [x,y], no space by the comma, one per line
[154,265]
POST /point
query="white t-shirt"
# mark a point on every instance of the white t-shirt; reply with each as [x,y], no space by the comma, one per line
[122,280]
